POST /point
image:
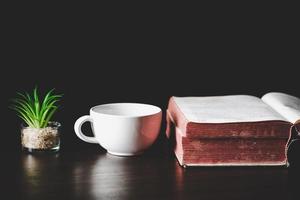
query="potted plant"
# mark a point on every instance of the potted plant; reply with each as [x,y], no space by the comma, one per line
[38,134]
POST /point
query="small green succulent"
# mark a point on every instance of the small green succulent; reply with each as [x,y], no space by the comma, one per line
[36,113]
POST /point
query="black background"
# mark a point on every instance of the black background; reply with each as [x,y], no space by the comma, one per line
[125,58]
[142,56]
[136,55]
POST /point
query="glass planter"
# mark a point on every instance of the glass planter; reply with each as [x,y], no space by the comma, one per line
[41,139]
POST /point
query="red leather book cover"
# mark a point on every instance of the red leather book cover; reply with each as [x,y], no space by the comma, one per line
[249,140]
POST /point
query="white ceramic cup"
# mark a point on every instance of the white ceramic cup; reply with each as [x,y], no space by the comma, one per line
[123,129]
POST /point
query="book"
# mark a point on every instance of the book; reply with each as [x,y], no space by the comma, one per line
[233,130]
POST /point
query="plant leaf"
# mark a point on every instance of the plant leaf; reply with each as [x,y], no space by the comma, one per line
[50,114]
[25,116]
[25,105]
[34,112]
[47,110]
[36,102]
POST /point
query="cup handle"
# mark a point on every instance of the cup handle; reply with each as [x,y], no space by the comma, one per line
[77,128]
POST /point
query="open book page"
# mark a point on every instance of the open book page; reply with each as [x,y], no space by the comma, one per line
[226,109]
[288,106]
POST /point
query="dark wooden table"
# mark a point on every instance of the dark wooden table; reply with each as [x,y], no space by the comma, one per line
[93,174]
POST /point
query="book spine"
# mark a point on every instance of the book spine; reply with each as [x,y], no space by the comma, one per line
[176,116]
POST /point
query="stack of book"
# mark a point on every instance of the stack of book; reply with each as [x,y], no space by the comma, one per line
[234,130]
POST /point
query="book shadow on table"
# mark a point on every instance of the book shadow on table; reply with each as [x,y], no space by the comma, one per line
[293,182]
[294,169]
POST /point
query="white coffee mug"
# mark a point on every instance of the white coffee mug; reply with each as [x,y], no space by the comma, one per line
[123,129]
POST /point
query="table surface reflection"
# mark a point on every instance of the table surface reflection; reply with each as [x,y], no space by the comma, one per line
[94,174]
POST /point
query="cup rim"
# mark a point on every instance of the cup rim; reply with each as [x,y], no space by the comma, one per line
[156,110]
